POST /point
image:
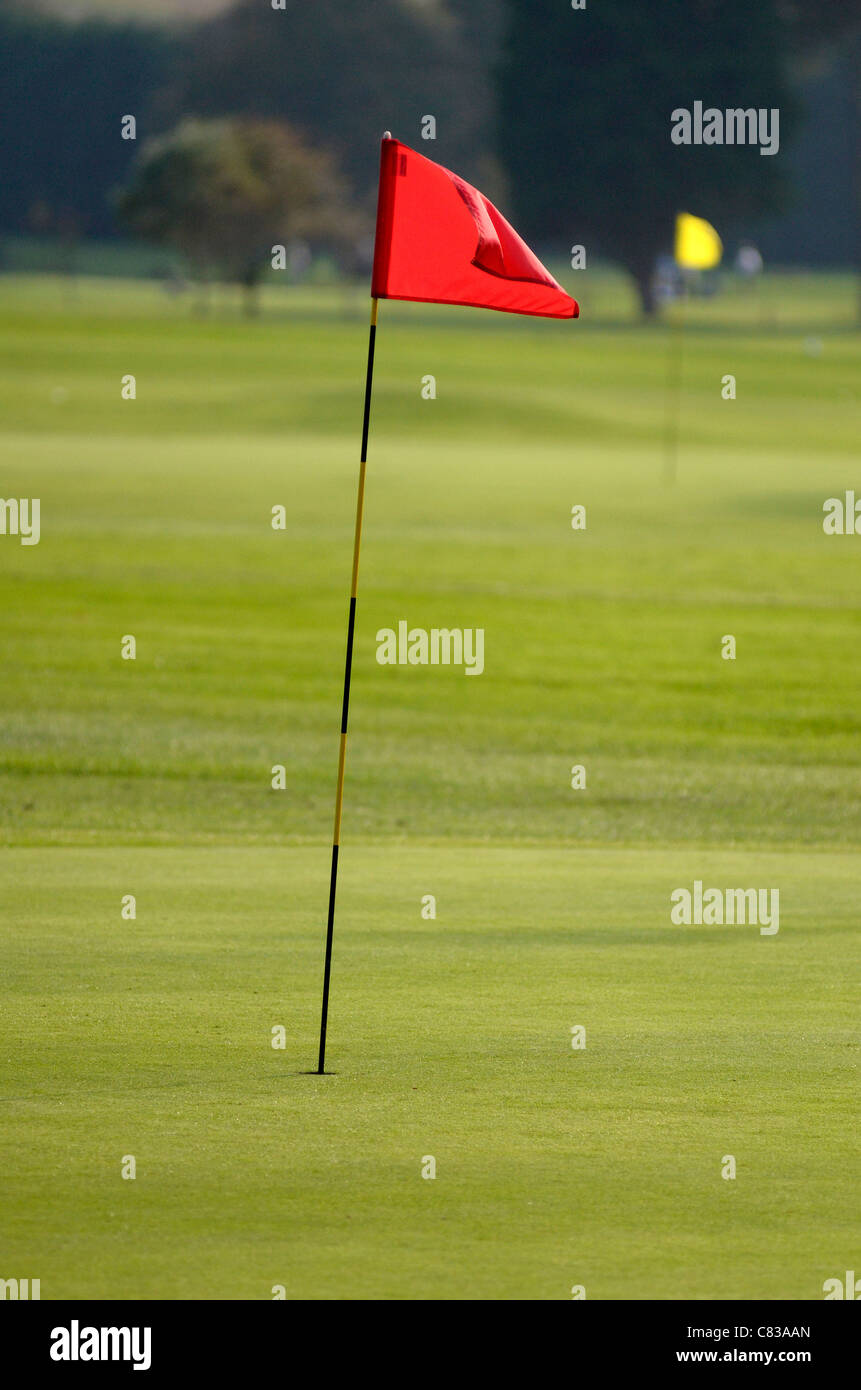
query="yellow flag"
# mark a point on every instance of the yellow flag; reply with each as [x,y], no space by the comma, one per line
[698,245]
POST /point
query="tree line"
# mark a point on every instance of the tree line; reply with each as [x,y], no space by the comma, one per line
[269,122]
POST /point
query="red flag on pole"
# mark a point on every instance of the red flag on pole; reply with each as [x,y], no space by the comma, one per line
[439,241]
[442,242]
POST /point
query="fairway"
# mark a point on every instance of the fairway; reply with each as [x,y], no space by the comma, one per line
[451,1036]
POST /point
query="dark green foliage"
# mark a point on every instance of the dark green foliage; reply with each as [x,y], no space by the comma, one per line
[585,111]
[222,192]
[347,72]
[64,91]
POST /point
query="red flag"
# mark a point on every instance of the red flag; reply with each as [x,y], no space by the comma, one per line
[442,242]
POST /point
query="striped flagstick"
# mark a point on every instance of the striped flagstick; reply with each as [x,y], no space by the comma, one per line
[439,241]
[345,709]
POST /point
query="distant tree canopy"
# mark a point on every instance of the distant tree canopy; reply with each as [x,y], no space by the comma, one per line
[339,73]
[812,23]
[561,116]
[833,28]
[585,115]
[347,72]
[223,192]
[64,91]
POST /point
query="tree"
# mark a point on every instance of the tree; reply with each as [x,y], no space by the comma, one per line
[586,98]
[64,91]
[345,73]
[813,29]
[224,192]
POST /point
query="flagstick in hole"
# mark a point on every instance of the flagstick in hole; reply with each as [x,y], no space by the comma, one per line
[438,241]
[697,247]
[345,707]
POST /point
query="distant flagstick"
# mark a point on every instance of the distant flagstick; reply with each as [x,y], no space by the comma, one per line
[672,410]
[697,247]
[345,708]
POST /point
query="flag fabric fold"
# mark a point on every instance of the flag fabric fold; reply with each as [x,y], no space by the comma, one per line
[440,241]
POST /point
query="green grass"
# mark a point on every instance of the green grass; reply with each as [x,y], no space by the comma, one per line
[448,1037]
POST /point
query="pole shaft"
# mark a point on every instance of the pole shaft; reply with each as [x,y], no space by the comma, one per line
[348,668]
[672,405]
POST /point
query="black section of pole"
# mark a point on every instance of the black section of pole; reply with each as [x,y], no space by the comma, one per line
[345,707]
[333,884]
[369,380]
[345,703]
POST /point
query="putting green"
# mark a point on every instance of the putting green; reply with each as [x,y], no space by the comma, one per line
[450,1037]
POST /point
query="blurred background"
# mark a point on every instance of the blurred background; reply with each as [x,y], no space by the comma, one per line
[256,125]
